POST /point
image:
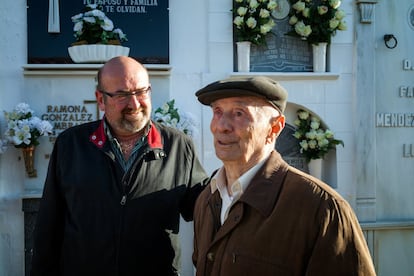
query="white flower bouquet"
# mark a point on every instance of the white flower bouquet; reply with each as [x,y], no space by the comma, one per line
[94,27]
[252,20]
[24,129]
[314,140]
[169,115]
[316,20]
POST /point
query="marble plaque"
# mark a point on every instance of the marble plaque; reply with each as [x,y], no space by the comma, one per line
[288,147]
[283,53]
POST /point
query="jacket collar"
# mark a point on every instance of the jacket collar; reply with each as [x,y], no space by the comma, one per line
[98,137]
[264,189]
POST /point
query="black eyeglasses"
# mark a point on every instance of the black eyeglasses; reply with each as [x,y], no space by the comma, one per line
[123,97]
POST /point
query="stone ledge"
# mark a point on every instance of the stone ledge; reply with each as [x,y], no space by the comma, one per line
[83,69]
[387,225]
[289,76]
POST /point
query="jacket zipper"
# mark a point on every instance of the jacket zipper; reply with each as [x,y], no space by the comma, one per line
[123,200]
[121,217]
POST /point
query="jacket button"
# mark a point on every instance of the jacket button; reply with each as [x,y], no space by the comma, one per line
[210,256]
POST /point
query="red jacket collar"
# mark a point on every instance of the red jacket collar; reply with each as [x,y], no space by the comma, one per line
[99,138]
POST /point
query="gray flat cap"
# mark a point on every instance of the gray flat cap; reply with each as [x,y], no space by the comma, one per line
[262,87]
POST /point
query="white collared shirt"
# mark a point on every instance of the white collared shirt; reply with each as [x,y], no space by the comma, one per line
[219,183]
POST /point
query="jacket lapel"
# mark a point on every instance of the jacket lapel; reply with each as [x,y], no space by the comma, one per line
[261,194]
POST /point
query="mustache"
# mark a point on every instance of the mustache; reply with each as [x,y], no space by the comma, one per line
[128,110]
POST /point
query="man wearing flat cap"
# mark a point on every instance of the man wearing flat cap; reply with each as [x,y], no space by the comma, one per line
[260,216]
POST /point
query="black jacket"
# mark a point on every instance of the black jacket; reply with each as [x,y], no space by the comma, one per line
[96,220]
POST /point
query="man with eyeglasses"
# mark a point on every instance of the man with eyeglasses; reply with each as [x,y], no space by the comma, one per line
[116,187]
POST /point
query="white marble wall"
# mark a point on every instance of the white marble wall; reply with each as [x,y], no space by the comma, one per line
[384,175]
[12,57]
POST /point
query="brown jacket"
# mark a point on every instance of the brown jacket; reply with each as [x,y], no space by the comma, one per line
[286,223]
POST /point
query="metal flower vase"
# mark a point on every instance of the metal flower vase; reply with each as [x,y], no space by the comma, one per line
[29,158]
[315,168]
[319,57]
[243,56]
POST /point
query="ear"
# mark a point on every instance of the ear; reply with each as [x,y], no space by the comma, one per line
[100,100]
[277,125]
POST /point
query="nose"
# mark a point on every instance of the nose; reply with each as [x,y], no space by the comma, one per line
[222,123]
[134,101]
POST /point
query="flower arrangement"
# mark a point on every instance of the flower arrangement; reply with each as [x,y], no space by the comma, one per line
[316,20]
[252,19]
[170,116]
[314,140]
[24,129]
[94,27]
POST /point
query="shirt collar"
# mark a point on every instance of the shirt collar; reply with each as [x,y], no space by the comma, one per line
[111,137]
[100,135]
[218,182]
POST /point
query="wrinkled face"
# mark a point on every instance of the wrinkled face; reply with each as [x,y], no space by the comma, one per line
[126,114]
[243,129]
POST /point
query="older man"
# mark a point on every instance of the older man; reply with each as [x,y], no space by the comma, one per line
[260,216]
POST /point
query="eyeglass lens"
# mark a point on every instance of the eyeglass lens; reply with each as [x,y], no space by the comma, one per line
[123,97]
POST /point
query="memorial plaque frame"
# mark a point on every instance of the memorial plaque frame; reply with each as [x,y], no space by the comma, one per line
[282,52]
[146,24]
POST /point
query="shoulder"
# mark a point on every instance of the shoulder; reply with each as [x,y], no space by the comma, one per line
[201,204]
[173,136]
[90,126]
[167,130]
[206,194]
[311,189]
[82,131]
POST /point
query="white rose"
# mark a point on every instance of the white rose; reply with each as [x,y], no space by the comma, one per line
[333,24]
[304,145]
[264,29]
[303,115]
[312,144]
[77,17]
[253,4]
[322,9]
[107,24]
[299,6]
[241,11]
[314,125]
[272,5]
[264,13]
[251,23]
[306,12]
[311,134]
[238,21]
[335,3]
[339,14]
[329,134]
[342,26]
[78,26]
[89,19]
[293,20]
